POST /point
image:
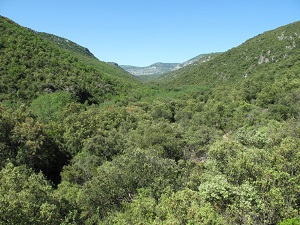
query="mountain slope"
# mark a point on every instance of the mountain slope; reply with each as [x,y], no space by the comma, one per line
[270,51]
[34,63]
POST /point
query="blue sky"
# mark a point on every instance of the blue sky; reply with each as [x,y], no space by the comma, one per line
[142,32]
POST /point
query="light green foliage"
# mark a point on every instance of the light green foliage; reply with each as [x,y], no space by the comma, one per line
[256,137]
[162,110]
[183,207]
[293,221]
[186,207]
[223,151]
[49,107]
[26,198]
[248,206]
[141,210]
[217,190]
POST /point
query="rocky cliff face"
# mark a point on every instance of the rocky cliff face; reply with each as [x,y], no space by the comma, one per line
[197,60]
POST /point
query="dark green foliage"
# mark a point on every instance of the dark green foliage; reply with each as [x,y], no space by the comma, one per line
[27,141]
[81,142]
[118,181]
[162,137]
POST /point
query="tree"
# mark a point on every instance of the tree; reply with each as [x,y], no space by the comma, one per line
[37,150]
[49,107]
[118,181]
[141,211]
[186,207]
[163,137]
[26,198]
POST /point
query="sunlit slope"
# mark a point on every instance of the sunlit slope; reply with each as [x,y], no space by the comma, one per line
[270,54]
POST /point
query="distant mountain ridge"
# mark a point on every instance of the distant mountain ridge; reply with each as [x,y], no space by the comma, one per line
[155,68]
[159,68]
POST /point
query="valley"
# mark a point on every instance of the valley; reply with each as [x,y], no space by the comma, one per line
[213,140]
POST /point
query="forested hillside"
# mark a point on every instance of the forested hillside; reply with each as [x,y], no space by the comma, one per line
[264,55]
[83,142]
[35,63]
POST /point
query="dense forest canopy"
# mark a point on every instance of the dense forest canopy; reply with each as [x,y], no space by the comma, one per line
[84,142]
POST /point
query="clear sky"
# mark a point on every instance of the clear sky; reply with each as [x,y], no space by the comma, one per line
[142,32]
